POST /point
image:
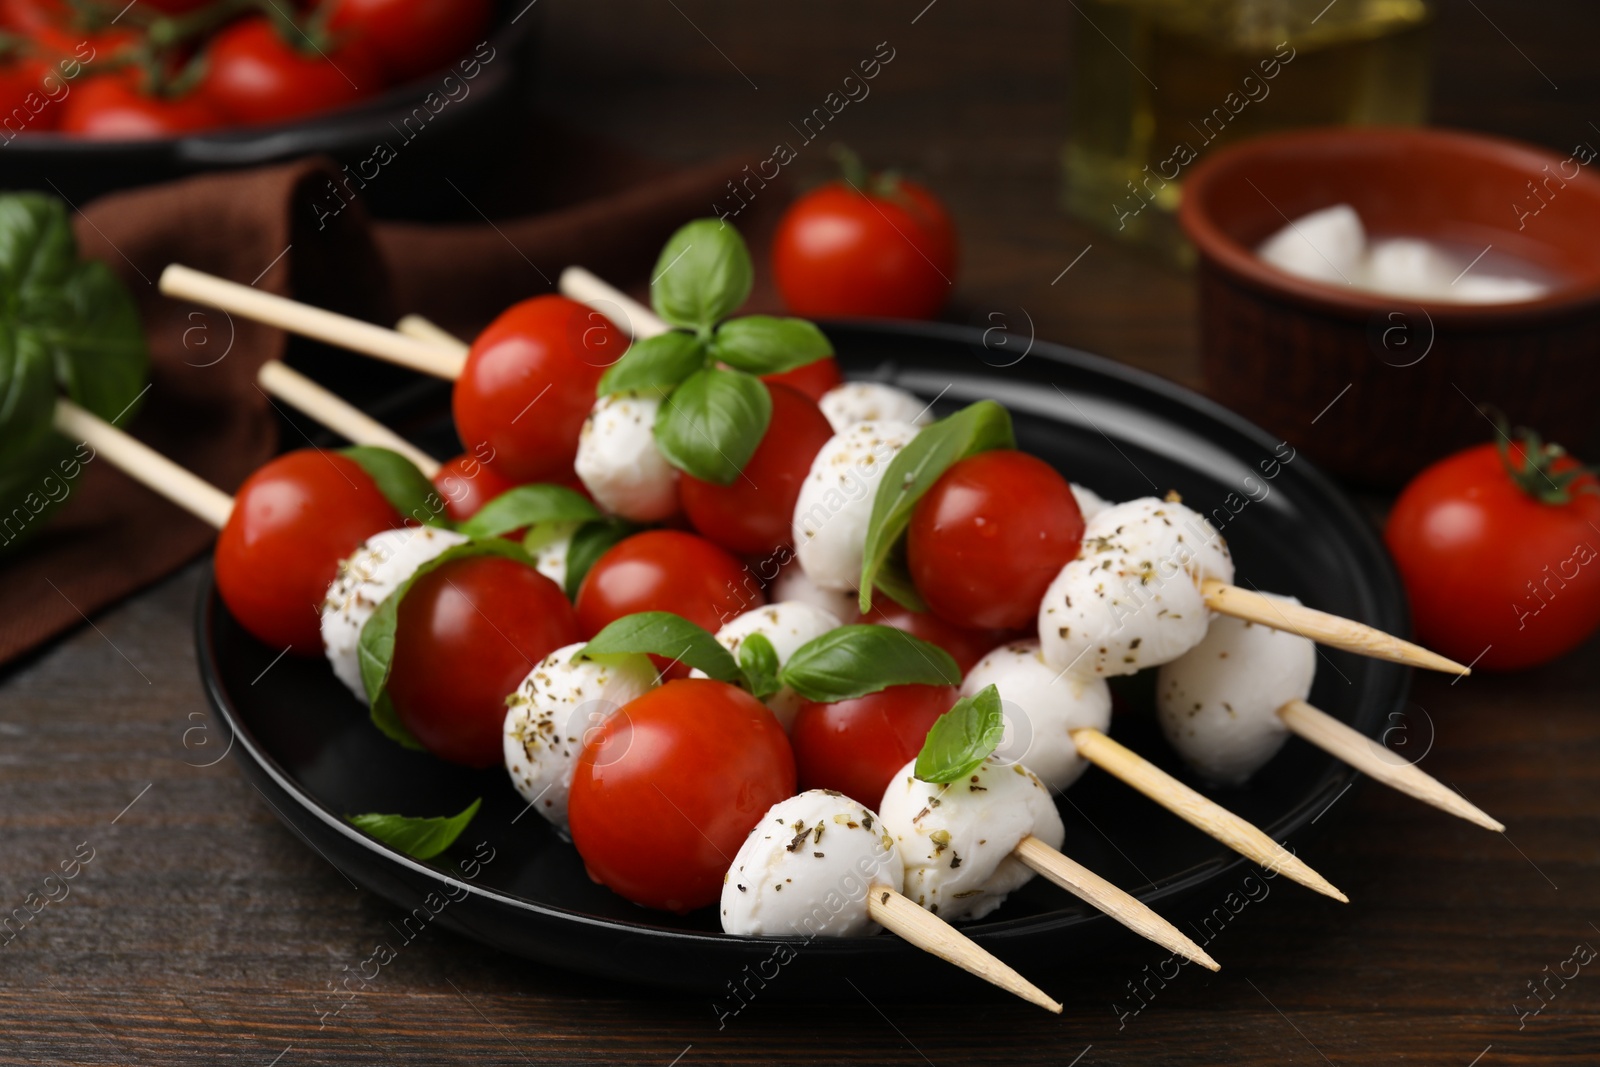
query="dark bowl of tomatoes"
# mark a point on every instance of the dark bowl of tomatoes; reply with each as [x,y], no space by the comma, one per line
[387,88]
[1374,386]
[513,883]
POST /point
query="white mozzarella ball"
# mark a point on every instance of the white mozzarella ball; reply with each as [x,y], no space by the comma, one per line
[853,402]
[956,840]
[551,713]
[1325,246]
[788,625]
[793,584]
[619,463]
[1494,289]
[1090,503]
[807,868]
[1042,706]
[1132,598]
[1218,703]
[835,504]
[1408,266]
[547,543]
[373,571]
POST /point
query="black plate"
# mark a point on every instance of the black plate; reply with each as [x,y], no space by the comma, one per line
[310,749]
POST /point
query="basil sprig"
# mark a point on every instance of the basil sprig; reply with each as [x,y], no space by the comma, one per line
[405,487]
[375,650]
[661,633]
[980,427]
[715,409]
[962,738]
[759,662]
[421,839]
[528,505]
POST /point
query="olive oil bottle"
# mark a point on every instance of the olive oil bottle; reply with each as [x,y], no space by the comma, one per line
[1158,84]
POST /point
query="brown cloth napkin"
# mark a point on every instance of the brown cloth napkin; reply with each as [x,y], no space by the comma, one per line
[203,407]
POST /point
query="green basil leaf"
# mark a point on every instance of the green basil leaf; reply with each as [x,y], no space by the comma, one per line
[894,581]
[27,394]
[34,484]
[661,633]
[962,738]
[525,505]
[401,483]
[375,650]
[655,363]
[712,423]
[980,427]
[853,661]
[421,839]
[98,347]
[762,344]
[759,662]
[589,542]
[703,275]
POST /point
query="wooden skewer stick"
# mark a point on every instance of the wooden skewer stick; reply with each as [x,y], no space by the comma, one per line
[1322,627]
[1222,824]
[332,411]
[1362,753]
[144,464]
[342,330]
[901,915]
[626,313]
[1122,906]
[421,329]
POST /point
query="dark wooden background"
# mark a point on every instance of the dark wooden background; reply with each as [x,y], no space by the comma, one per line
[203,931]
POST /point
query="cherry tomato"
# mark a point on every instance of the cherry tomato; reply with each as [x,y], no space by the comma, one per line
[1498,557]
[753,514]
[669,787]
[989,537]
[666,570]
[856,746]
[467,484]
[413,37]
[25,107]
[965,646]
[466,636]
[868,246]
[114,108]
[529,383]
[813,379]
[255,76]
[293,521]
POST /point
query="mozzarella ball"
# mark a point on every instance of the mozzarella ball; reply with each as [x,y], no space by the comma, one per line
[788,625]
[365,580]
[853,402]
[551,713]
[1326,246]
[807,868]
[835,504]
[956,840]
[547,543]
[1219,702]
[1409,266]
[1042,706]
[619,463]
[1090,503]
[792,584]
[1132,598]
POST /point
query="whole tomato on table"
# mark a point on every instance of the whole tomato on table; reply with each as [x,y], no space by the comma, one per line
[868,245]
[1498,546]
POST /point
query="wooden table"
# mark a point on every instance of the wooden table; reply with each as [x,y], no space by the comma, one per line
[201,930]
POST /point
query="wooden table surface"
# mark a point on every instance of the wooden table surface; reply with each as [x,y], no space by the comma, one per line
[199,929]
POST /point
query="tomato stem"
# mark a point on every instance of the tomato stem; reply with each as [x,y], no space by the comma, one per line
[1531,466]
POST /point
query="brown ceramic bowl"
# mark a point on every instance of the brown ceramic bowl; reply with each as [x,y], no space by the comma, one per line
[1376,387]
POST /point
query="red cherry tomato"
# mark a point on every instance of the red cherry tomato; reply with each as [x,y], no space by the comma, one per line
[255,76]
[25,107]
[753,515]
[857,746]
[884,248]
[965,646]
[529,383]
[465,637]
[114,108]
[467,484]
[989,537]
[1497,576]
[813,379]
[669,787]
[413,37]
[293,521]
